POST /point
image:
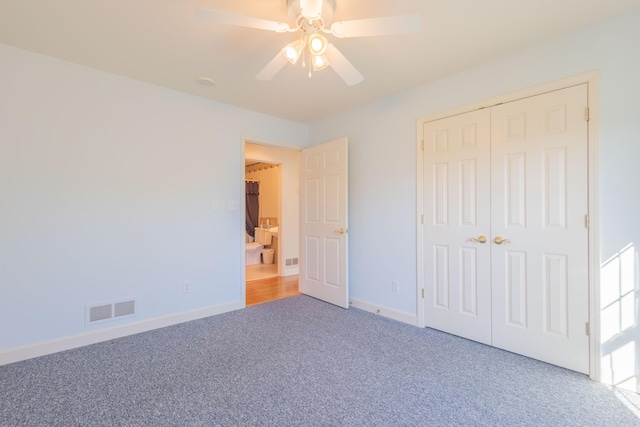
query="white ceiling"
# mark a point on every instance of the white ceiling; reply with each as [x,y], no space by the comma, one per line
[162,42]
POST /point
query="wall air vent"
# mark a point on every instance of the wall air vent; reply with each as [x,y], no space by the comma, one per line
[124,308]
[98,313]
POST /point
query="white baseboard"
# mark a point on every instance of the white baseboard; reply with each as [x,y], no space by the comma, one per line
[291,271]
[390,313]
[606,376]
[67,343]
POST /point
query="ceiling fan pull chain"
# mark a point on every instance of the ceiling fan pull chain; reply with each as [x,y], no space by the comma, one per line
[304,50]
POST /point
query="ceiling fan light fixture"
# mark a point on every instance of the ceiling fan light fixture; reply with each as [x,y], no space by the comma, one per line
[292,51]
[310,18]
[319,62]
[311,9]
[317,44]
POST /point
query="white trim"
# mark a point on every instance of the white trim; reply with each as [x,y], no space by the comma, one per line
[48,347]
[269,143]
[595,353]
[592,80]
[242,221]
[421,322]
[589,78]
[389,313]
[291,270]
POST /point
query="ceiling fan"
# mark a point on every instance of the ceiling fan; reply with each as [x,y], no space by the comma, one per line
[312,18]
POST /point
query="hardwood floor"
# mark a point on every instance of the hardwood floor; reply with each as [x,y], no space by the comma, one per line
[261,271]
[271,289]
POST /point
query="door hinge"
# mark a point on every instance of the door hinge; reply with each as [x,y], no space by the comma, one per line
[587,221]
[422,219]
[422,145]
[586,113]
[587,329]
[422,293]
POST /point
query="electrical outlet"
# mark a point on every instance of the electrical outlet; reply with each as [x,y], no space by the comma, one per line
[395,286]
[186,286]
[233,205]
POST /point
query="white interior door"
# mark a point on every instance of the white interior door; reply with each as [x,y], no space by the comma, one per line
[457,225]
[516,174]
[323,223]
[539,204]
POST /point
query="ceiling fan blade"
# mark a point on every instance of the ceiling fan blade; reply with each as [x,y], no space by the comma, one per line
[273,67]
[342,66]
[221,17]
[311,9]
[387,26]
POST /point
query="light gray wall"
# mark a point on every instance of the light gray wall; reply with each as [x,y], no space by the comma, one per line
[382,162]
[107,184]
[107,188]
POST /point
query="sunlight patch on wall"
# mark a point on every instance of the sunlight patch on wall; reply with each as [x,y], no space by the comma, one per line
[622,364]
[619,319]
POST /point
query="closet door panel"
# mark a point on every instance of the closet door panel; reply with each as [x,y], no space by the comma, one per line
[457,204]
[539,202]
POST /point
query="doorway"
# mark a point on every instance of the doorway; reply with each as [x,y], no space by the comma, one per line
[313,216]
[263,206]
[276,171]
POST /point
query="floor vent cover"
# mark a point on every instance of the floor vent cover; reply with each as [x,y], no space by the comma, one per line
[99,312]
[124,308]
[109,311]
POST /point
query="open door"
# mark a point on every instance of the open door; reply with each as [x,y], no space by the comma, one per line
[323,223]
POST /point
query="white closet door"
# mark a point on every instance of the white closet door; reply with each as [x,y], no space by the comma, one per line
[457,211]
[539,203]
[517,174]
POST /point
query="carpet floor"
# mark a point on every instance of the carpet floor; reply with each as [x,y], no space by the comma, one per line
[301,362]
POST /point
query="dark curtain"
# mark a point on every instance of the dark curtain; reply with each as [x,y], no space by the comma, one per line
[253,191]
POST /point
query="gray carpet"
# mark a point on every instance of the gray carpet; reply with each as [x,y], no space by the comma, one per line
[300,362]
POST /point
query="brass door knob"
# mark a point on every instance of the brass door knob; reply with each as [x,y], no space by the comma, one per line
[480,239]
[499,240]
[341,231]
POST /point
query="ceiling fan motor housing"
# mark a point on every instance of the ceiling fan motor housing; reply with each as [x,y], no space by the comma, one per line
[328,6]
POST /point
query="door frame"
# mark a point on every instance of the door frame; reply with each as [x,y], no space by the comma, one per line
[244,139]
[592,81]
